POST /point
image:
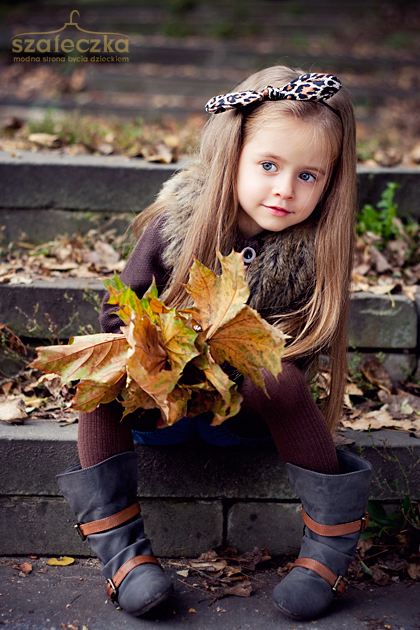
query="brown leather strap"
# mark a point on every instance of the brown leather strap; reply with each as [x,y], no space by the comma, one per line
[336,581]
[336,530]
[108,523]
[124,570]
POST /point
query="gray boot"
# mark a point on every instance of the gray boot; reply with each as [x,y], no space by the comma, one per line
[333,512]
[104,500]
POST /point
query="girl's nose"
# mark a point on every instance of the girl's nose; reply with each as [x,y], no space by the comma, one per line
[283,186]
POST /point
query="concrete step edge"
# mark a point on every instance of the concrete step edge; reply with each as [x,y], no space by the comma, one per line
[42,180]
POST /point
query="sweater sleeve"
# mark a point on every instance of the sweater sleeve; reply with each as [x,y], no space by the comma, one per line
[144,264]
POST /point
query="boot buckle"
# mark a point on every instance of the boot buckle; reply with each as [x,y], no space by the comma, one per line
[337,583]
[112,590]
[364,522]
[79,531]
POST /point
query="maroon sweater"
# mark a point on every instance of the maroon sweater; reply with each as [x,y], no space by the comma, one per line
[145,263]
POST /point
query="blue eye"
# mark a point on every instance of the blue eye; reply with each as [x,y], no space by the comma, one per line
[268,167]
[307,177]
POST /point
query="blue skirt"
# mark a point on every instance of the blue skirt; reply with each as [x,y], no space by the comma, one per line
[188,428]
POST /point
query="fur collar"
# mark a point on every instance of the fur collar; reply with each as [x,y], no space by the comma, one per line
[282,276]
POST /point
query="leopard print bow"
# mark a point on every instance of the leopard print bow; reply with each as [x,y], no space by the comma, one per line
[308,87]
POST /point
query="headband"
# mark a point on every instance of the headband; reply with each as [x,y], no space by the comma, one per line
[307,87]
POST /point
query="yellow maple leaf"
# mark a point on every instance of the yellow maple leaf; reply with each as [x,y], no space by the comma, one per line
[84,357]
[218,299]
[249,343]
[170,359]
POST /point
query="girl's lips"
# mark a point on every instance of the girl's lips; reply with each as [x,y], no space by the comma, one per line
[278,212]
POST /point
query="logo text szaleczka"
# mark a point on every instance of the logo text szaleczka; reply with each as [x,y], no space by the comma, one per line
[100,43]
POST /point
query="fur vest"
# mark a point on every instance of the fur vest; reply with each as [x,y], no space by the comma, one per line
[281,278]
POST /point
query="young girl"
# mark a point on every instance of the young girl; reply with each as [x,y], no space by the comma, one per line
[275,180]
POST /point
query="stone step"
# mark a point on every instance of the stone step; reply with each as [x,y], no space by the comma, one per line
[48,182]
[236,495]
[268,17]
[204,87]
[48,311]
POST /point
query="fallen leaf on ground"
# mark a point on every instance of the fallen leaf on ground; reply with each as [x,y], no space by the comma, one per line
[413,570]
[241,590]
[353,390]
[364,545]
[379,419]
[63,561]
[13,411]
[208,566]
[376,374]
[26,567]
[402,404]
[380,577]
[18,279]
[45,139]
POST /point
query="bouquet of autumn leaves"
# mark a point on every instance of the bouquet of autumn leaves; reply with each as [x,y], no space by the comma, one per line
[168,358]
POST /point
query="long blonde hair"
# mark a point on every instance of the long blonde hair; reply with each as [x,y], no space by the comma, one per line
[215,218]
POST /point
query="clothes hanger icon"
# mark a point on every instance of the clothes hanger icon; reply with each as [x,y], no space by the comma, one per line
[71,23]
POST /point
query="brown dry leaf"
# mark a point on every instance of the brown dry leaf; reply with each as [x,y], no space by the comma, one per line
[103,256]
[413,570]
[218,299]
[359,285]
[13,411]
[212,567]
[234,332]
[403,539]
[402,404]
[249,343]
[90,393]
[383,289]
[252,558]
[410,291]
[162,153]
[283,570]
[353,390]
[380,262]
[59,266]
[84,357]
[380,577]
[45,139]
[26,567]
[379,419]
[376,374]
[18,278]
[364,545]
[244,589]
[160,383]
[394,564]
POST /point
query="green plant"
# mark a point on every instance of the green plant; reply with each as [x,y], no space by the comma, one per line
[380,523]
[407,513]
[380,220]
[45,125]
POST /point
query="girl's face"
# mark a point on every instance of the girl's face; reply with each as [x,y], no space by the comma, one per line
[281,176]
